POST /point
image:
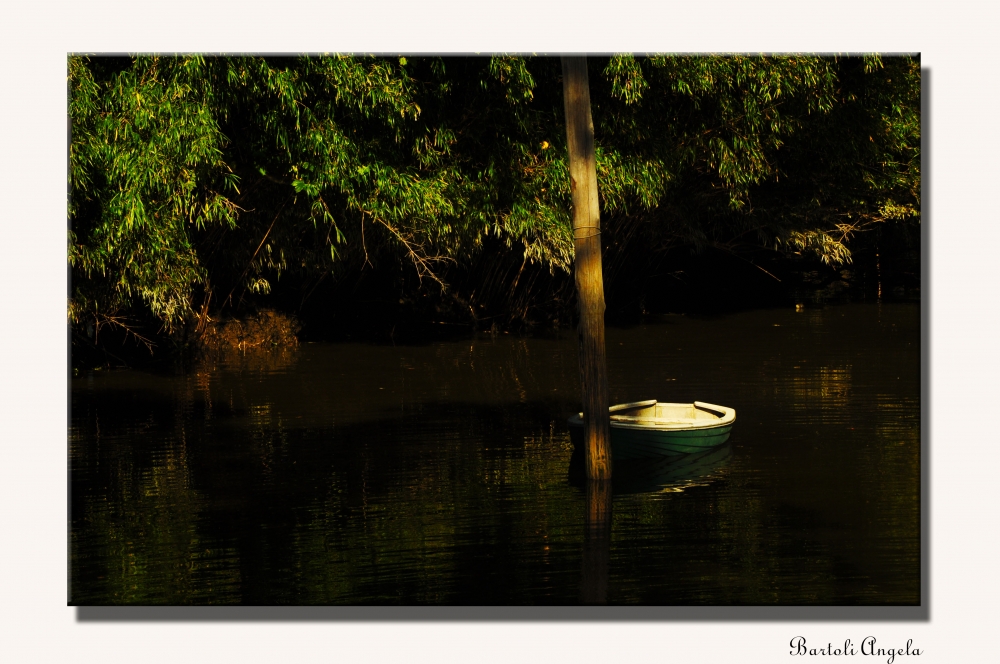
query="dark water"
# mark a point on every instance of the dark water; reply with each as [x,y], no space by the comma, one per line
[442,474]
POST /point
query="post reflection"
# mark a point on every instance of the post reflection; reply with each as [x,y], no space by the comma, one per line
[596,543]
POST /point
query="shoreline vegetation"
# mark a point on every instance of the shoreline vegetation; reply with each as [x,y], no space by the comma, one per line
[255,202]
[261,331]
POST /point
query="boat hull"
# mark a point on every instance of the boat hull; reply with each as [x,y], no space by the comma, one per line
[635,443]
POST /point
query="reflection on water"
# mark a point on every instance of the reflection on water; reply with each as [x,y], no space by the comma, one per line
[443,473]
[673,473]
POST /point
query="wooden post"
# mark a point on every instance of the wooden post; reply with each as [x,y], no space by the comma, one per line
[589,275]
[596,543]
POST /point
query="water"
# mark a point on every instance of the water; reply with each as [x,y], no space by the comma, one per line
[443,473]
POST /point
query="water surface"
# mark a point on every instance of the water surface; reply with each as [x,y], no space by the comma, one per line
[443,473]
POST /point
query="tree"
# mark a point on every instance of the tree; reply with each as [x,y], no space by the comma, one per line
[146,169]
[197,183]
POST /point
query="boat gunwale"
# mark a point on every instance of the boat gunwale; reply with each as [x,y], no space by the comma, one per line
[664,423]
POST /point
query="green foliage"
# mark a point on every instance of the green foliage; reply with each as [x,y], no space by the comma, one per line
[797,151]
[856,166]
[724,114]
[202,180]
[146,167]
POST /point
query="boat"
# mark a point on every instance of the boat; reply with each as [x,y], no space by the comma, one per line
[648,429]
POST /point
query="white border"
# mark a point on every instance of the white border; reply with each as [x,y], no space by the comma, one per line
[956,40]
